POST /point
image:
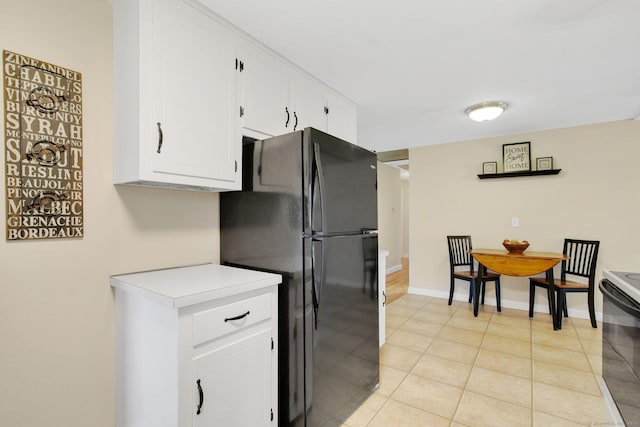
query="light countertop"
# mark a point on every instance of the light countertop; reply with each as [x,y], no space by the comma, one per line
[184,286]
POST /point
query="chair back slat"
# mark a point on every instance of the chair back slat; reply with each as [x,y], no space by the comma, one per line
[459,247]
[583,255]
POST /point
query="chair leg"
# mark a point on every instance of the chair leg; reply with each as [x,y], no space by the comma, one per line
[561,300]
[374,281]
[483,285]
[497,282]
[451,289]
[549,301]
[476,293]
[592,309]
[532,297]
[470,293]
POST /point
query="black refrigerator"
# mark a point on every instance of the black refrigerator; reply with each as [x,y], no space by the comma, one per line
[308,211]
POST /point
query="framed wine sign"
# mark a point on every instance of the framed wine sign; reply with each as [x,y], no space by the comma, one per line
[43,149]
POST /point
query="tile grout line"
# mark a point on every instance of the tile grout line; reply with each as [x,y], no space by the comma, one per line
[457,314]
[532,372]
[451,420]
[423,353]
[463,388]
[566,324]
[473,365]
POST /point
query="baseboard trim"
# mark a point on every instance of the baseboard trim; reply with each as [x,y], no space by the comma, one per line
[611,404]
[394,268]
[518,305]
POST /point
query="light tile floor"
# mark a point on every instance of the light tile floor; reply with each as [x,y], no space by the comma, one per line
[440,366]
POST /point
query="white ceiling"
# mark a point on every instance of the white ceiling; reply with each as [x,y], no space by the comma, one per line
[413,66]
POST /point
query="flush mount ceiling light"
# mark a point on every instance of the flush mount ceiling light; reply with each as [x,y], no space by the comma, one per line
[486,111]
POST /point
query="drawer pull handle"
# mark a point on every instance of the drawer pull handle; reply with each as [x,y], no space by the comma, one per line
[201,395]
[237,317]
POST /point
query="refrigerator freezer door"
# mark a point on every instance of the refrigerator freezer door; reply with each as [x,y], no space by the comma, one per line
[261,226]
[341,185]
[343,331]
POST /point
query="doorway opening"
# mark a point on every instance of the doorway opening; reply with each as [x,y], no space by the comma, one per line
[393,212]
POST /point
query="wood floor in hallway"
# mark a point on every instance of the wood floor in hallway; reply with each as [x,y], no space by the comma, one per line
[397,283]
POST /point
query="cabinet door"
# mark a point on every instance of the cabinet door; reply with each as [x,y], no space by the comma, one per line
[193,94]
[309,102]
[235,383]
[265,82]
[342,118]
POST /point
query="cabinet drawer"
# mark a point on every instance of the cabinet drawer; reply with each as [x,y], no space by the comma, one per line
[219,321]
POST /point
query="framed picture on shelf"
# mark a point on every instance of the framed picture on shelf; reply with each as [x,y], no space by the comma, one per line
[544,163]
[489,167]
[516,157]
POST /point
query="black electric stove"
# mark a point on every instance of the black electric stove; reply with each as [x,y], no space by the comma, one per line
[621,341]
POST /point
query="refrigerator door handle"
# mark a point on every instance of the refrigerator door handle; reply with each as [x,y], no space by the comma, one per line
[317,285]
[319,172]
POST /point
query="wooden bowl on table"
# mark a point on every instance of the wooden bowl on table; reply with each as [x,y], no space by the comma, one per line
[516,248]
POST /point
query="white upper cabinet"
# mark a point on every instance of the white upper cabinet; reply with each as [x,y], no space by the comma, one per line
[309,102]
[265,93]
[188,86]
[278,98]
[342,118]
[175,97]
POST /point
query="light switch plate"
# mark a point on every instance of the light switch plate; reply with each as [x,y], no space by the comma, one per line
[515,222]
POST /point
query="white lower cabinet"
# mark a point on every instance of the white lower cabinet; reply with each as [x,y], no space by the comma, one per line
[233,383]
[195,347]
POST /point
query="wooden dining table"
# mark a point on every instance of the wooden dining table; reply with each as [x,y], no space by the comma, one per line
[528,263]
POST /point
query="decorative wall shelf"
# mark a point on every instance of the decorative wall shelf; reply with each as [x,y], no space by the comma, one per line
[516,174]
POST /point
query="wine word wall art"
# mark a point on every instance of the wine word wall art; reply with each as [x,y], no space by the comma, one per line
[43,149]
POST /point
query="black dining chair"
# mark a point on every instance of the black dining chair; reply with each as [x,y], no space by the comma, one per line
[583,255]
[459,247]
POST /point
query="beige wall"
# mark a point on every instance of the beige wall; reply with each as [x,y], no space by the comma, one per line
[390,213]
[405,218]
[56,306]
[595,196]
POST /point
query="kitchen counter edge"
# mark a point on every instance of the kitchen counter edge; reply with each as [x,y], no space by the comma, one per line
[184,286]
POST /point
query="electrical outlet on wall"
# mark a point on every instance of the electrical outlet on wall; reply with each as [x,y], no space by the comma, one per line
[515,222]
